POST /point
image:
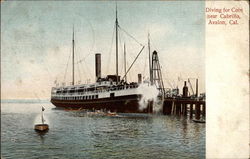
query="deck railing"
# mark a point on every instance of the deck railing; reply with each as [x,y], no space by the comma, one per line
[76,93]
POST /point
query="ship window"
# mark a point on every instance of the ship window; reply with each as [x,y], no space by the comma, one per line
[96,96]
[93,97]
[112,94]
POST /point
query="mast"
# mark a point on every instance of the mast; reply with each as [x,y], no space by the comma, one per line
[116,44]
[125,62]
[149,59]
[73,54]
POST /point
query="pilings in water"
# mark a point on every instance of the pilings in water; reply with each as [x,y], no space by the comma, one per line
[167,109]
[184,107]
[191,111]
[197,111]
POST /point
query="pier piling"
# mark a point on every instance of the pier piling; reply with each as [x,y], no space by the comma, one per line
[191,111]
[197,111]
[185,109]
[204,110]
[168,108]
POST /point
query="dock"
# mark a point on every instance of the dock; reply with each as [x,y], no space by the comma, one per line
[184,106]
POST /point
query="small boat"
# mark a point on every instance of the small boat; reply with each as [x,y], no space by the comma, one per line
[42,127]
[199,121]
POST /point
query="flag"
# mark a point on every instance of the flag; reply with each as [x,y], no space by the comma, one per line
[43,108]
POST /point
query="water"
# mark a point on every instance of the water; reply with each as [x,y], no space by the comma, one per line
[77,135]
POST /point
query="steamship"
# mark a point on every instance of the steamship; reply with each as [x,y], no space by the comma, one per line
[111,93]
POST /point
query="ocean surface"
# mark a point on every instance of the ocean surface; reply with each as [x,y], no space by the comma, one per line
[76,134]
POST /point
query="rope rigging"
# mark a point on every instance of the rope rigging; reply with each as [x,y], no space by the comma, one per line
[79,71]
[108,63]
[81,61]
[133,63]
[64,78]
[121,48]
[130,36]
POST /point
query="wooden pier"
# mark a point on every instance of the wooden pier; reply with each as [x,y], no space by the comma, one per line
[184,106]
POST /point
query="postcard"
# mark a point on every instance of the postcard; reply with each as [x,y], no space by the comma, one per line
[125,79]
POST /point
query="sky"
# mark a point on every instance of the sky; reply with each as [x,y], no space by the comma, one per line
[36,42]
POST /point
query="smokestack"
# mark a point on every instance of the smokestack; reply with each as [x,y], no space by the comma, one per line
[185,90]
[197,87]
[97,66]
[139,78]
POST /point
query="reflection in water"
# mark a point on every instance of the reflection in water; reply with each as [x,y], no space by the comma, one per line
[74,134]
[42,135]
[184,128]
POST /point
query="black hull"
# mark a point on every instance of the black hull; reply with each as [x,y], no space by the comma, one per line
[124,104]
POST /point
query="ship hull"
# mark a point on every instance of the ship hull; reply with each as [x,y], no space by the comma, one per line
[124,104]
